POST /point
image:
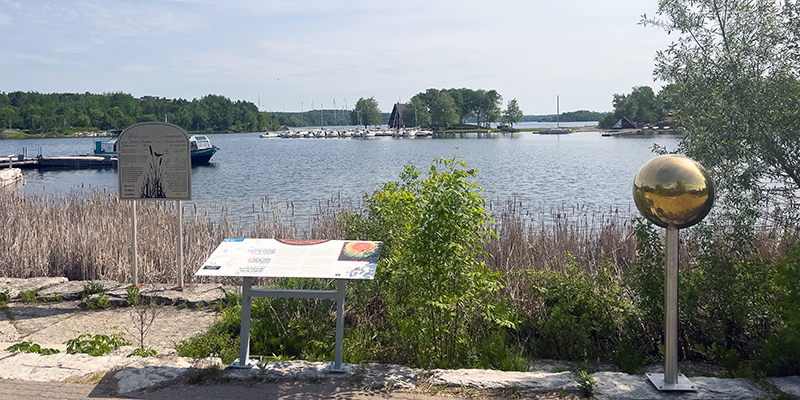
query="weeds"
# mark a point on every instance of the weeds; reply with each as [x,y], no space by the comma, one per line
[586,382]
[30,347]
[5,297]
[29,296]
[97,345]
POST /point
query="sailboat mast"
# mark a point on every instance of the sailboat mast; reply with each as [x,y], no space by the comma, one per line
[558,112]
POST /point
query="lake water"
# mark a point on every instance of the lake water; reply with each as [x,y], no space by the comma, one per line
[541,171]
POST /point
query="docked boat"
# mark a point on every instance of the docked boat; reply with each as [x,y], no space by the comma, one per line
[201,149]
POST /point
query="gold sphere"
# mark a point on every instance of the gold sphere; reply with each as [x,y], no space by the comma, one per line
[673,190]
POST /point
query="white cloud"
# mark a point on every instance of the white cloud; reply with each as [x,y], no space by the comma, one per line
[137,68]
[133,19]
[5,19]
[11,58]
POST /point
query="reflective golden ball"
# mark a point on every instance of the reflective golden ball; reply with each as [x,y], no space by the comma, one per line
[673,190]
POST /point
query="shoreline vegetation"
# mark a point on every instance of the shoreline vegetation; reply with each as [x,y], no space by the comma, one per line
[562,284]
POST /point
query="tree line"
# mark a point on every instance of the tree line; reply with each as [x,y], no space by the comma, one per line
[440,109]
[61,113]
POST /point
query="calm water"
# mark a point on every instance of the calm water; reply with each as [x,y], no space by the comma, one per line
[541,171]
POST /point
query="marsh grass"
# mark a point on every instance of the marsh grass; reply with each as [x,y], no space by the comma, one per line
[88,237]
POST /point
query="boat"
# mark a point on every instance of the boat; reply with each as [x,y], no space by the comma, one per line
[270,135]
[201,149]
[557,130]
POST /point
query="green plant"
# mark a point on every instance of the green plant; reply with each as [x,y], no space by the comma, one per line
[29,296]
[220,340]
[780,354]
[578,316]
[30,347]
[5,297]
[430,277]
[262,368]
[132,296]
[51,298]
[586,382]
[97,345]
[91,287]
[142,352]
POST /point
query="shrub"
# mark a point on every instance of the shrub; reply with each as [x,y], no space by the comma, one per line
[781,352]
[579,316]
[439,299]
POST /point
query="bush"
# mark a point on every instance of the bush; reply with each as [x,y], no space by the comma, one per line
[579,315]
[220,340]
[781,352]
[431,294]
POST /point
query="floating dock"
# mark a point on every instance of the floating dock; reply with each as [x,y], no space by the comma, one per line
[64,162]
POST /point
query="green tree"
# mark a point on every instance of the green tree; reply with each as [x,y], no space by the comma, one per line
[441,107]
[416,113]
[733,70]
[365,112]
[641,105]
[512,114]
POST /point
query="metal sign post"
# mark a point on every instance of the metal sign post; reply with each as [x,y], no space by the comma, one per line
[673,192]
[326,259]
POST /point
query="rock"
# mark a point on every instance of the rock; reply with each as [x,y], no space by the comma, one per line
[491,379]
[18,285]
[787,384]
[73,290]
[9,176]
[621,386]
[147,372]
[56,367]
[379,376]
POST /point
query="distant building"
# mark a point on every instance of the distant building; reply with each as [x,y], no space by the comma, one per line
[396,119]
[624,123]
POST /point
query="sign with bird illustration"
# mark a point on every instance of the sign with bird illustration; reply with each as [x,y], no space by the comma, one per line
[154,162]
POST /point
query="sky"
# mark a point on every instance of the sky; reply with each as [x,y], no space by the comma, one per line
[297,55]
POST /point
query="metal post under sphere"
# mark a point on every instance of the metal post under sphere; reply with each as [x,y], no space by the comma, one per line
[673,192]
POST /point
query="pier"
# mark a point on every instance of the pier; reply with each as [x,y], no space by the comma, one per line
[63,162]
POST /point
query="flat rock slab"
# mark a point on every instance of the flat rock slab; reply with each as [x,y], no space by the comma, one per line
[621,386]
[9,176]
[149,372]
[380,376]
[787,384]
[283,370]
[73,290]
[17,285]
[169,327]
[490,379]
[56,367]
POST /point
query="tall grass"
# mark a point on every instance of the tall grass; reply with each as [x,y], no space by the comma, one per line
[88,237]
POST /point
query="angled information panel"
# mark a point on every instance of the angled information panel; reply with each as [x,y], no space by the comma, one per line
[274,258]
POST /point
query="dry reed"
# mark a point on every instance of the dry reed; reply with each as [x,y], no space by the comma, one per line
[88,237]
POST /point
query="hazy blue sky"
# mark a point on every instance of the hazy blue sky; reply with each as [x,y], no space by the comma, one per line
[293,52]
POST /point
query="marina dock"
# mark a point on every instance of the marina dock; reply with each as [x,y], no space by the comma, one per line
[64,162]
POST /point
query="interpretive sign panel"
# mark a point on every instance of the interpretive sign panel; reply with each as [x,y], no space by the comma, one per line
[334,259]
[154,162]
